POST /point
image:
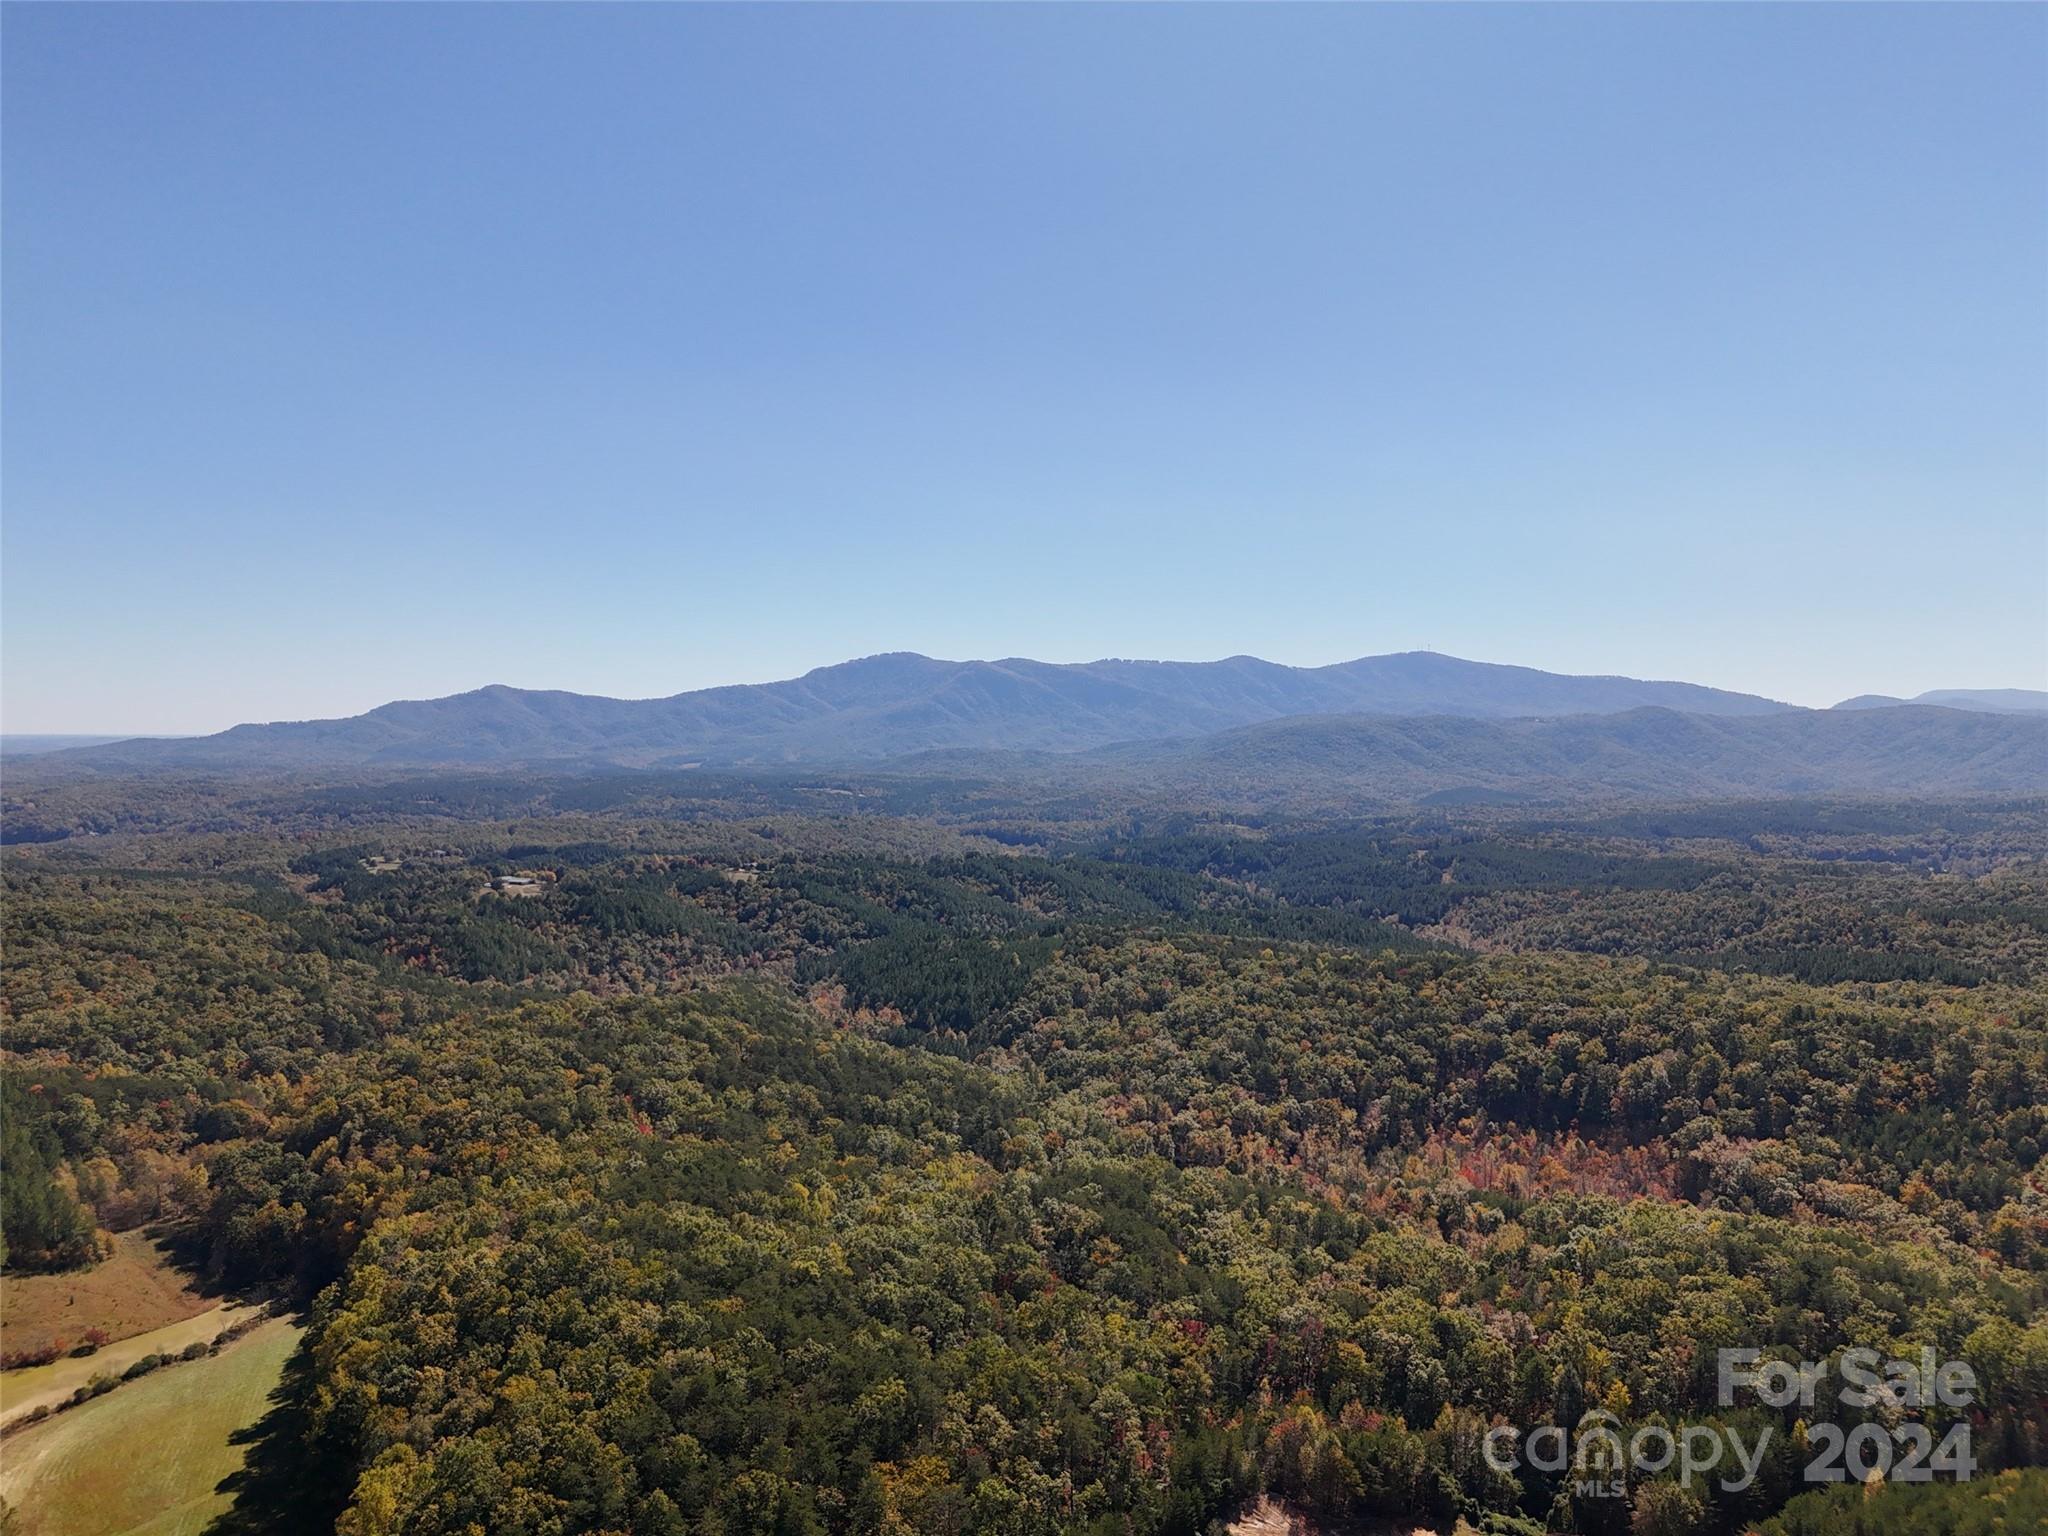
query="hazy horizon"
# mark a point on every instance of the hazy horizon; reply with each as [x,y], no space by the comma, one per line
[356,354]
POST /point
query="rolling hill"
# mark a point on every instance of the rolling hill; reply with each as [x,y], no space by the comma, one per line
[1998,701]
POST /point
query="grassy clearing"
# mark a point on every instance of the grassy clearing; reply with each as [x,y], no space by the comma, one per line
[21,1391]
[133,1290]
[147,1458]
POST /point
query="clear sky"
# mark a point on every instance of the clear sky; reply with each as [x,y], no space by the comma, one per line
[366,352]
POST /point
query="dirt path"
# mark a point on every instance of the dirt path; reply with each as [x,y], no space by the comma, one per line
[21,1391]
[147,1459]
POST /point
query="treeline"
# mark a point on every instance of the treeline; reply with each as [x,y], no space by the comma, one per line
[43,1225]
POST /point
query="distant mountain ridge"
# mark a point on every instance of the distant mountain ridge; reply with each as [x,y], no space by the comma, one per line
[1997,701]
[29,743]
[892,705]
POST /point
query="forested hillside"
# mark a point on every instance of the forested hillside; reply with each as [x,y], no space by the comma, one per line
[851,1172]
[1329,762]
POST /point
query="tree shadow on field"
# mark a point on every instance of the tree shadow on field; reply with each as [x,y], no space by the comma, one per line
[288,1483]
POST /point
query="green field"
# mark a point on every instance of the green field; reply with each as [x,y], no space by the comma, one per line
[52,1384]
[146,1459]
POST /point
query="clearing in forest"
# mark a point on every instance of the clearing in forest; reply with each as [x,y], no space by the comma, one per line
[147,1458]
[22,1391]
[133,1290]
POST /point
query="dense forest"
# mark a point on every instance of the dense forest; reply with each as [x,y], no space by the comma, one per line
[895,1160]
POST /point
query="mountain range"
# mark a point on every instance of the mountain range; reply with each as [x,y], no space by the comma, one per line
[888,706]
[1414,724]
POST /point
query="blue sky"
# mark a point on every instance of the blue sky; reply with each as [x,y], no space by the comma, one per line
[366,352]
